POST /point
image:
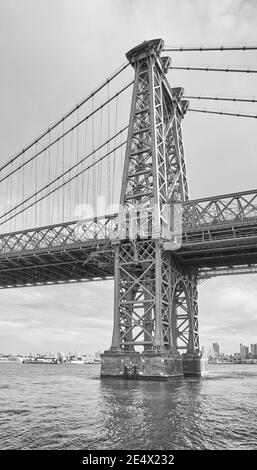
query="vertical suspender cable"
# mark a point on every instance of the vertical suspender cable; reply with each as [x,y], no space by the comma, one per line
[120,159]
[108,149]
[114,154]
[28,221]
[36,163]
[8,198]
[88,178]
[99,178]
[85,196]
[23,191]
[69,191]
[64,189]
[77,152]
[58,194]
[49,172]
[11,189]
[94,168]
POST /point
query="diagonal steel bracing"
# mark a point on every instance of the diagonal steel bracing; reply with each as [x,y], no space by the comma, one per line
[148,282]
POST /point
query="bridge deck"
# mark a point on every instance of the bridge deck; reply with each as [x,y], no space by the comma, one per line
[211,251]
[219,237]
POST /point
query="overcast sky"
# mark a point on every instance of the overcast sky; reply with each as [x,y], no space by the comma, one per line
[53,53]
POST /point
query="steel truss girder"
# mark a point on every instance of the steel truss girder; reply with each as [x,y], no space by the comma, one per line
[231,216]
[206,273]
[217,211]
[213,246]
[81,232]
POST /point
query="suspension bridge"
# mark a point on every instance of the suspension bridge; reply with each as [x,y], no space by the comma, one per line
[103,194]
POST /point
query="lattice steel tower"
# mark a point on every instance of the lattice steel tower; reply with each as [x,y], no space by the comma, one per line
[155,295]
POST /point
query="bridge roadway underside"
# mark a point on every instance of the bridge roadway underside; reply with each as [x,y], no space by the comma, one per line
[57,265]
[223,249]
[212,251]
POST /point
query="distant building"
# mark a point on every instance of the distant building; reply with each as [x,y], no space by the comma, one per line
[216,349]
[210,353]
[237,357]
[254,351]
[98,355]
[244,351]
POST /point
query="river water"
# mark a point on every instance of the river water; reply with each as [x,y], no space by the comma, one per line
[70,407]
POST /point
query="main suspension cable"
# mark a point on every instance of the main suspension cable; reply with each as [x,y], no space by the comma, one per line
[66,132]
[211,48]
[63,184]
[209,111]
[47,186]
[220,98]
[212,69]
[81,103]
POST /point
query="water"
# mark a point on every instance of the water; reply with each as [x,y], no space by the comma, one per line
[70,407]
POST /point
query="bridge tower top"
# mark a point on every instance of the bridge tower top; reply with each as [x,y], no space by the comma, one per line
[145,49]
[154,171]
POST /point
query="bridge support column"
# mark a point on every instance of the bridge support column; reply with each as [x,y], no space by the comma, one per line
[155,316]
[184,319]
[147,327]
[116,313]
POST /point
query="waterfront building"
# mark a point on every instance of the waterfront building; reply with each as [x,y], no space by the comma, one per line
[244,351]
[98,355]
[253,351]
[216,350]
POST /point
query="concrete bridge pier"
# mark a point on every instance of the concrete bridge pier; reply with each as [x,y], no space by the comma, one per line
[150,365]
[194,364]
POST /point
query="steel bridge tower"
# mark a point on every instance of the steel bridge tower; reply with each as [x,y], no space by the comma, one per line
[155,331]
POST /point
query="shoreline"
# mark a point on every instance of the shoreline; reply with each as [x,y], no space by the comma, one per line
[234,363]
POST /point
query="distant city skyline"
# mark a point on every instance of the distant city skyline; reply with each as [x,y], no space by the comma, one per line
[215,348]
[244,351]
[70,353]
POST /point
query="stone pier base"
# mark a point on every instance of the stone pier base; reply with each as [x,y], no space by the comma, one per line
[135,365]
[194,365]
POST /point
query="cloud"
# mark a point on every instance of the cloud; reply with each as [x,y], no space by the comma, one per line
[227,310]
[76,317]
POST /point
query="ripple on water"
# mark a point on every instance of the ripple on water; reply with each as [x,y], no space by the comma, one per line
[71,408]
[15,412]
